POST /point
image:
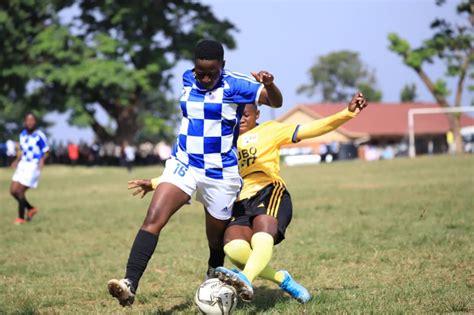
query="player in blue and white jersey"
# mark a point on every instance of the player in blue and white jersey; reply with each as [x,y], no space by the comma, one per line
[204,160]
[32,153]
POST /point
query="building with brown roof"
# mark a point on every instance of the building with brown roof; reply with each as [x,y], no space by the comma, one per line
[379,125]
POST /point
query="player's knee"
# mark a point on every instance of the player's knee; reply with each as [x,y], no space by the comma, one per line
[228,239]
[15,193]
[155,220]
[153,225]
[273,231]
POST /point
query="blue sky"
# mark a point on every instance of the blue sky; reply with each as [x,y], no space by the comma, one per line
[286,37]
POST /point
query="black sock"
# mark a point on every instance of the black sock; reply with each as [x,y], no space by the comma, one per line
[28,205]
[216,257]
[141,252]
[21,208]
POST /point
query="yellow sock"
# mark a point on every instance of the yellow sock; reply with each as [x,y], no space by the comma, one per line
[271,274]
[262,247]
[238,252]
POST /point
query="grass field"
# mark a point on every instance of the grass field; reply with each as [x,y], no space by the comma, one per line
[381,237]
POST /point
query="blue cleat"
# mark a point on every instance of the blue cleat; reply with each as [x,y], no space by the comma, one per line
[293,288]
[237,280]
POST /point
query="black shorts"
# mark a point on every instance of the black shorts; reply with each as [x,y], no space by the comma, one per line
[273,200]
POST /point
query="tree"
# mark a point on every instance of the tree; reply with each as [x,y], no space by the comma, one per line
[114,54]
[337,75]
[408,94]
[20,22]
[451,44]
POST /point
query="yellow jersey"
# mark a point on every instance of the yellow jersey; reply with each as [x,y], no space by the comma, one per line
[259,148]
[259,155]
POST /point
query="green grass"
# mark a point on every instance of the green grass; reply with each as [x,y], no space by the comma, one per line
[381,237]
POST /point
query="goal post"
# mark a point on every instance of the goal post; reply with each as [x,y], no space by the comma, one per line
[426,111]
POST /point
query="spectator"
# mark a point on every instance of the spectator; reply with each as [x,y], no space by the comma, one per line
[164,151]
[128,155]
[73,153]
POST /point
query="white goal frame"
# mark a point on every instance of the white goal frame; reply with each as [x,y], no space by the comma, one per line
[426,111]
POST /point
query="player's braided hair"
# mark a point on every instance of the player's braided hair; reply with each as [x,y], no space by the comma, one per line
[209,50]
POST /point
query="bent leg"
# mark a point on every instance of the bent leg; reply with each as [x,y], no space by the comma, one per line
[167,199]
[18,191]
[217,196]
[265,228]
[237,244]
[237,247]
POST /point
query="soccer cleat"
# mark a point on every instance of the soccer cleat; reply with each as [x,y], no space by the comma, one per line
[31,213]
[19,221]
[293,288]
[210,273]
[237,280]
[122,290]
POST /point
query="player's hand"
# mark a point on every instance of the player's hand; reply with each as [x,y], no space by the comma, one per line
[14,164]
[358,103]
[41,164]
[142,186]
[264,77]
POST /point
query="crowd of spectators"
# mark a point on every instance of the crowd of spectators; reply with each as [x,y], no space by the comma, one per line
[95,154]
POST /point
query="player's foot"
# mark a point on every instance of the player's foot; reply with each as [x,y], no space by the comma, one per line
[237,280]
[293,288]
[19,221]
[122,290]
[210,273]
[31,213]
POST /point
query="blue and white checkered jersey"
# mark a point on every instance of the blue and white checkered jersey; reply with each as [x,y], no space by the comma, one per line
[209,130]
[33,146]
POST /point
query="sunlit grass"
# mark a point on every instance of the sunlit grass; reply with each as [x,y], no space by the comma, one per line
[382,237]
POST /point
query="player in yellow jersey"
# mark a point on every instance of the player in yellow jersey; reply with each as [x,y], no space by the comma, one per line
[264,208]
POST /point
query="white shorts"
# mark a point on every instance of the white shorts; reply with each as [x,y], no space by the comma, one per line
[216,195]
[27,174]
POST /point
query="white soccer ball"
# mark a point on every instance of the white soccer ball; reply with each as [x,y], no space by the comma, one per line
[215,297]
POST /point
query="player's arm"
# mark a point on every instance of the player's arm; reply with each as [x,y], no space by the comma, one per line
[325,125]
[270,94]
[18,155]
[43,145]
[43,159]
[143,186]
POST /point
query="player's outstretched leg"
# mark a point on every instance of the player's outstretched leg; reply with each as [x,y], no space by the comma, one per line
[294,289]
[237,280]
[122,290]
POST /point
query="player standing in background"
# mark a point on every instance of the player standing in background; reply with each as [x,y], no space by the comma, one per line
[204,159]
[32,153]
[264,209]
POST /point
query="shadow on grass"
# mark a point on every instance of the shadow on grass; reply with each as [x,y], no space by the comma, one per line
[264,300]
[175,309]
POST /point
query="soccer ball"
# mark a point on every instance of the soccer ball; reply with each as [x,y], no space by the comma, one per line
[215,297]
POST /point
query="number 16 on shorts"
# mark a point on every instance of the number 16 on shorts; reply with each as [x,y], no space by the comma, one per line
[180,170]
